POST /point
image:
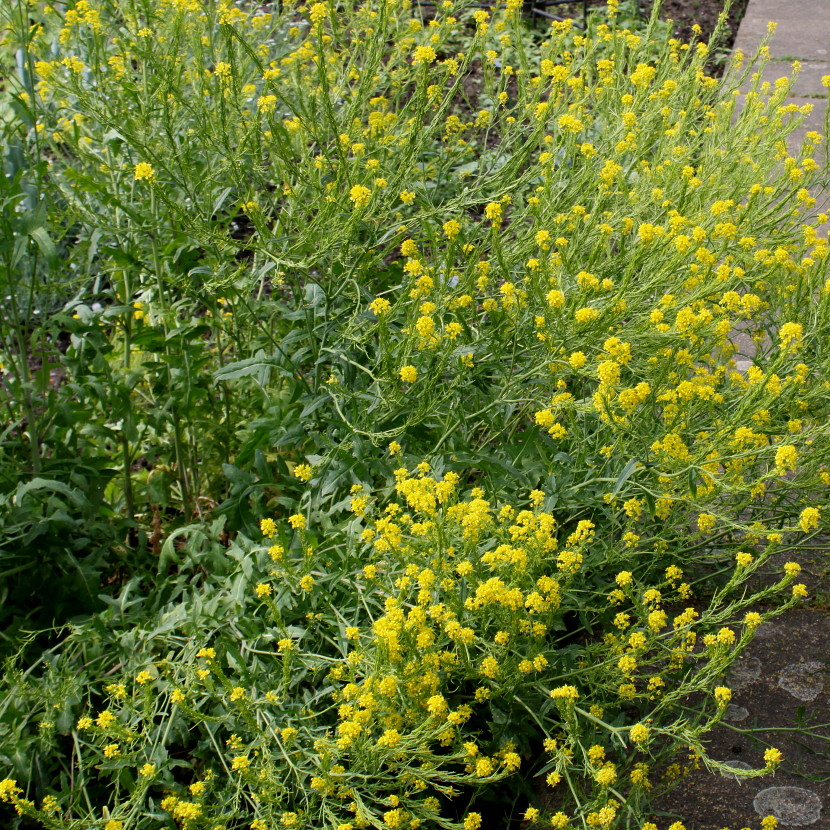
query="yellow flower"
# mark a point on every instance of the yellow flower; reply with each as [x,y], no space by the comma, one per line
[567,693]
[144,172]
[263,589]
[493,212]
[642,76]
[638,733]
[722,696]
[117,690]
[577,360]
[790,335]
[390,738]
[785,458]
[241,763]
[302,472]
[773,756]
[74,64]
[809,519]
[423,55]
[705,522]
[318,12]
[451,229]
[408,374]
[307,583]
[105,719]
[49,804]
[555,298]
[266,104]
[568,123]
[297,521]
[9,789]
[380,306]
[268,527]
[586,315]
[437,705]
[484,767]
[472,821]
[360,196]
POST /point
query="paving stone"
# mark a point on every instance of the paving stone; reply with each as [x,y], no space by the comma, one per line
[792,806]
[804,681]
[802,28]
[735,714]
[766,631]
[744,671]
[736,765]
[812,122]
[703,801]
[808,81]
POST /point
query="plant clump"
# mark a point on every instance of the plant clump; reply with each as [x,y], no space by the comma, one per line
[462,391]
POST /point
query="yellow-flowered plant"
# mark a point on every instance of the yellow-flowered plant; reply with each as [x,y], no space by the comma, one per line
[475,639]
[562,355]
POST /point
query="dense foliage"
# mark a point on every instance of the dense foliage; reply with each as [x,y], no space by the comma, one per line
[376,409]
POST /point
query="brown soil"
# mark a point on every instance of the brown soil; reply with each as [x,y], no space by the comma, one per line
[684,14]
[704,13]
[780,699]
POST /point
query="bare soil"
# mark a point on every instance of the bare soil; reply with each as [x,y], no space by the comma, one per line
[779,699]
[704,13]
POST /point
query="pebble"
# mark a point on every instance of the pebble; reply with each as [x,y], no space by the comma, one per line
[735,765]
[766,631]
[735,713]
[745,670]
[804,681]
[792,806]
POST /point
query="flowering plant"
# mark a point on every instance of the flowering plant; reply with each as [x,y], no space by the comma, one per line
[559,352]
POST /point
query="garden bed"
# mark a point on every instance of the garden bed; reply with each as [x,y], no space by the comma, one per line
[441,477]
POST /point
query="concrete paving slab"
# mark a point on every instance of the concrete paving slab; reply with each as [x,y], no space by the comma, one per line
[803,28]
[812,122]
[803,34]
[807,83]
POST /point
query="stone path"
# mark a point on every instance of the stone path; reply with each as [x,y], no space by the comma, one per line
[781,686]
[803,35]
[779,698]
